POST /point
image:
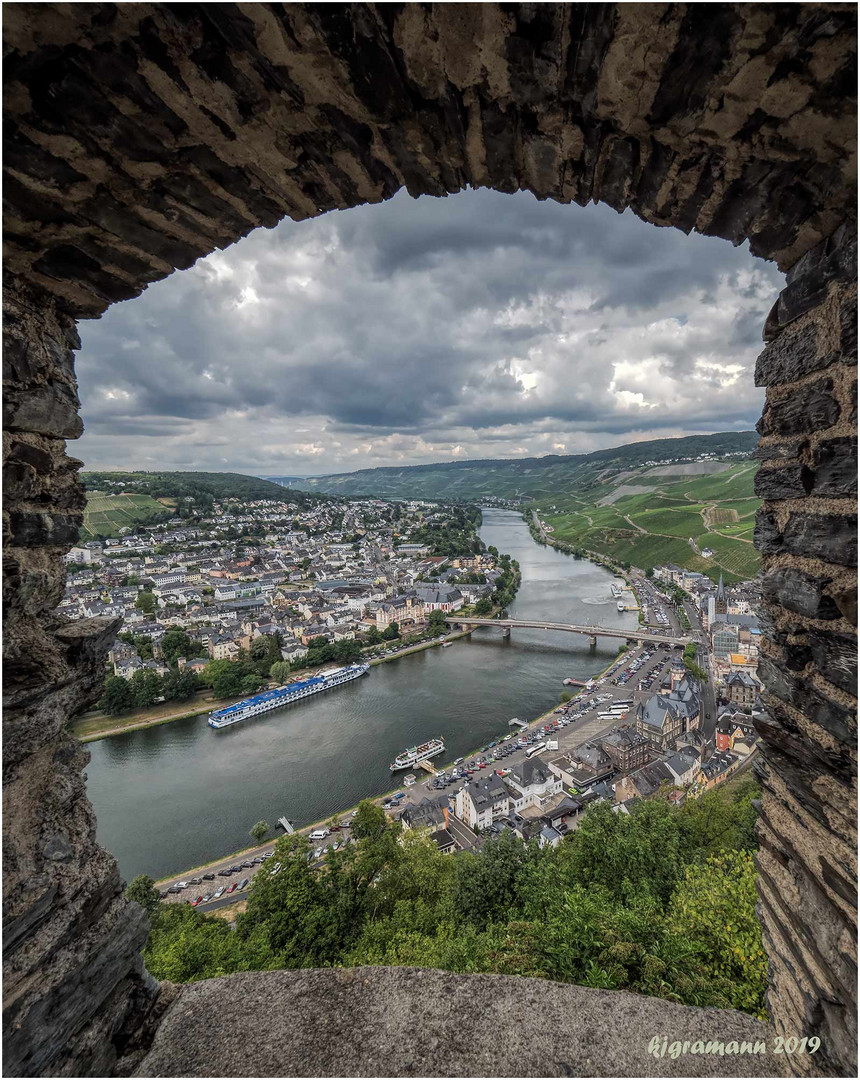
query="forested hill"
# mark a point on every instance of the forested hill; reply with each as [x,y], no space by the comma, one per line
[179,485]
[534,478]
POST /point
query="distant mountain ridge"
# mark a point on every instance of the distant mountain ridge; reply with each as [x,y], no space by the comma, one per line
[531,478]
[212,485]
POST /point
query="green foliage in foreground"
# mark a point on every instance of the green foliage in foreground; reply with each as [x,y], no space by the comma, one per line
[661,902]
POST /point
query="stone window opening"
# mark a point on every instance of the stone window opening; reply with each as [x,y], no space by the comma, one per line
[142,137]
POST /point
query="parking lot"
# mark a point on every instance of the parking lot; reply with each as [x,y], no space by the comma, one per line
[569,725]
[231,880]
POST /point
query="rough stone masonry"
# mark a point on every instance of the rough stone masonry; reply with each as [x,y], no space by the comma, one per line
[140,137]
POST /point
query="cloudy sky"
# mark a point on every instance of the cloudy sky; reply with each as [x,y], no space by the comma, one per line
[481,325]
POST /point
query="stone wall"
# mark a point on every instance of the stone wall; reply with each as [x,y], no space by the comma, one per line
[807,533]
[72,970]
[140,137]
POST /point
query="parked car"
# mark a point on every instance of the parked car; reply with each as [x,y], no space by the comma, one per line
[219,892]
[233,887]
[208,877]
[244,883]
[196,901]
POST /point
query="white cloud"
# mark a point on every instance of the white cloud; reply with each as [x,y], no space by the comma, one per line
[477,325]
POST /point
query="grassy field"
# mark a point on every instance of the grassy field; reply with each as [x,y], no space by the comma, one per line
[649,528]
[105,515]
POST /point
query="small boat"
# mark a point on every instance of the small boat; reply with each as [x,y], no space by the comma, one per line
[447,644]
[620,605]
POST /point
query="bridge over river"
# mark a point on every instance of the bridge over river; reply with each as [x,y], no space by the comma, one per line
[592,632]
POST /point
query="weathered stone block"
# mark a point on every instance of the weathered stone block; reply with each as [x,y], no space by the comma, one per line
[598,1032]
[788,357]
[767,535]
[799,592]
[834,717]
[831,537]
[33,530]
[834,465]
[833,260]
[791,482]
[812,407]
[47,410]
[835,657]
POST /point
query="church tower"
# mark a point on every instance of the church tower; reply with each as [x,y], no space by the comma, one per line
[721,604]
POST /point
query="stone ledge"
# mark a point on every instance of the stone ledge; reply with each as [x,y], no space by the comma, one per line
[376,1021]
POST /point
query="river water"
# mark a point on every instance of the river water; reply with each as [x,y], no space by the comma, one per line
[175,796]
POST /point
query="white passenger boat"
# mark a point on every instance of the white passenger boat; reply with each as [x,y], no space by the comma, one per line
[285,695]
[415,754]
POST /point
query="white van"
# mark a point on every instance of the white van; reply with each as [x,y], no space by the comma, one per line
[319,834]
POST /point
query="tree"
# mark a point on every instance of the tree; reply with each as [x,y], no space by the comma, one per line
[145,602]
[146,687]
[179,685]
[177,643]
[225,678]
[436,622]
[369,820]
[280,671]
[143,891]
[118,696]
[631,854]
[251,683]
[484,606]
[260,831]
[714,907]
[373,636]
[391,631]
[265,651]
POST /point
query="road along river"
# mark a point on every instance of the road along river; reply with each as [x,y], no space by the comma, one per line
[181,794]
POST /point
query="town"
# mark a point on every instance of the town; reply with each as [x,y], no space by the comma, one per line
[260,589]
[661,722]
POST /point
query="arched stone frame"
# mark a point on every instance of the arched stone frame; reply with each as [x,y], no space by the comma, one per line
[141,136]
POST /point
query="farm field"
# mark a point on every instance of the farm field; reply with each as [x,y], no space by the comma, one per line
[648,528]
[106,515]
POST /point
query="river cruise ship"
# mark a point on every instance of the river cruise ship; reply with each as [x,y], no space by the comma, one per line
[285,695]
[415,754]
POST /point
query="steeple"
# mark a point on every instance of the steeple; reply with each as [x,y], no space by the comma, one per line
[720,587]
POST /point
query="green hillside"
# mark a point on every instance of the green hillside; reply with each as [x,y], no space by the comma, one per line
[528,478]
[642,503]
[193,485]
[118,500]
[106,515]
[647,519]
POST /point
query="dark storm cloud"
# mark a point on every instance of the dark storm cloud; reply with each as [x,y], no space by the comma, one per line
[421,330]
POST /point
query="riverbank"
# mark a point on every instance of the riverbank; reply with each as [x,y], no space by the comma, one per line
[90,728]
[541,536]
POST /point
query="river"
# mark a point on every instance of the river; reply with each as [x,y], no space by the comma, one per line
[175,796]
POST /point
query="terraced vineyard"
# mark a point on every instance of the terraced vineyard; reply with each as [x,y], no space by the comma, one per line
[675,520]
[106,515]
